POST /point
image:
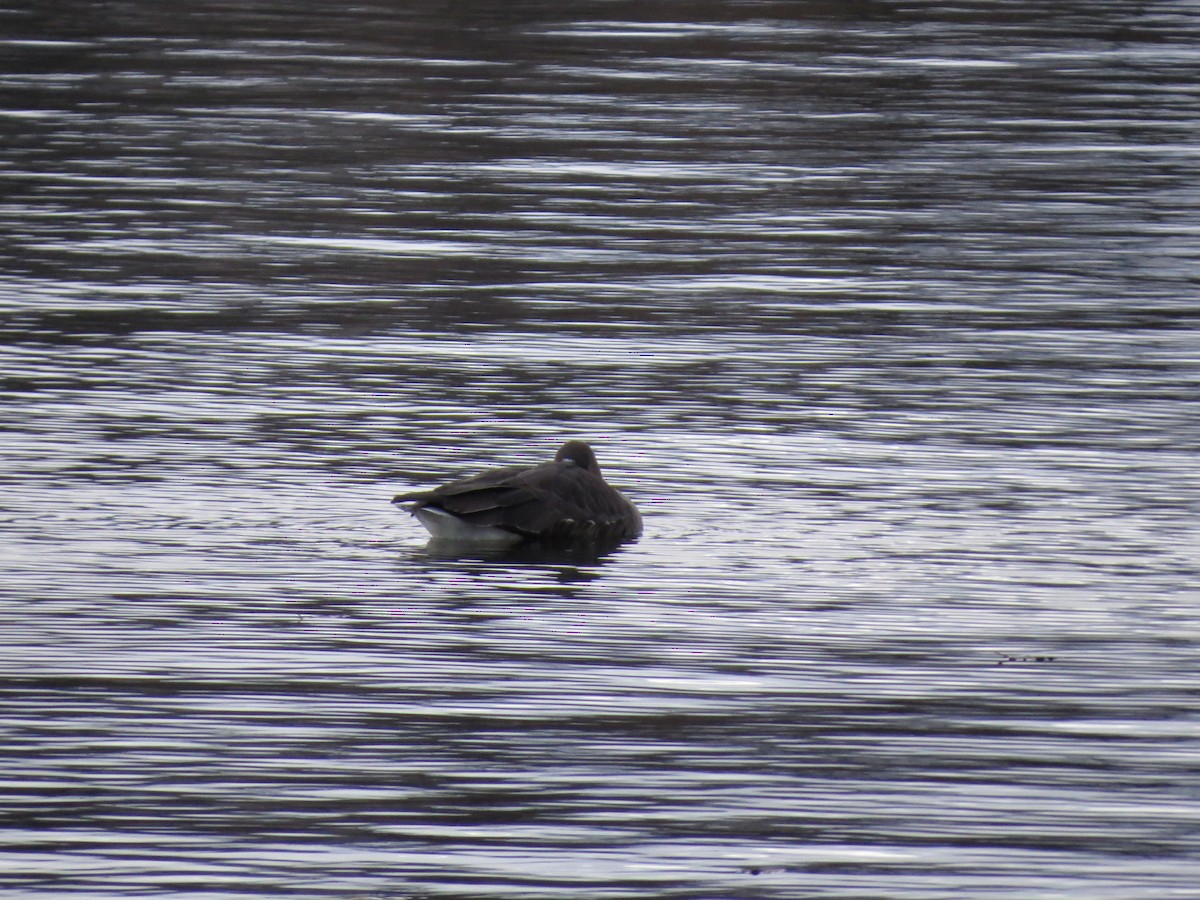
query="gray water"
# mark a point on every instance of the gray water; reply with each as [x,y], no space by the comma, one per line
[885,314]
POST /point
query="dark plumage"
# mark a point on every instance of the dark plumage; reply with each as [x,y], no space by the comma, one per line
[563,502]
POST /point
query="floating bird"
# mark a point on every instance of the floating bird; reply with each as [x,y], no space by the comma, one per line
[562,502]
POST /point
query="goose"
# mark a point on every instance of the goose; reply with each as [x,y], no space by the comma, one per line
[566,501]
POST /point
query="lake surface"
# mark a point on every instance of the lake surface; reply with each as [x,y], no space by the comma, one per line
[884,313]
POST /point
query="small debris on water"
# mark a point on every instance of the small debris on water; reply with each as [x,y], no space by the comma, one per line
[1005,658]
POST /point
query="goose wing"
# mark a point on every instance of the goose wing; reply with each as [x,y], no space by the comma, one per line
[542,500]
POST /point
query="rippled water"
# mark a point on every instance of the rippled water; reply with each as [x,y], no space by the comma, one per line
[885,314]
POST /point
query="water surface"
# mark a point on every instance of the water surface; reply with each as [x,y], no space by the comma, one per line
[884,314]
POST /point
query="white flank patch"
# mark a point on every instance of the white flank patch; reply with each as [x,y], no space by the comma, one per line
[446,527]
